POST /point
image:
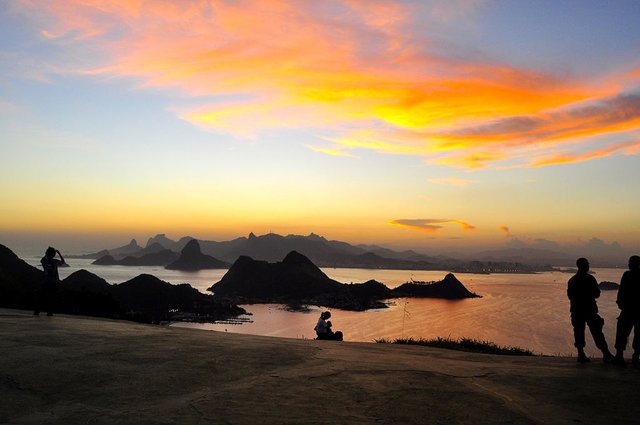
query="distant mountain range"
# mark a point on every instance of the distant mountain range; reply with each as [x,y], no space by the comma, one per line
[160,250]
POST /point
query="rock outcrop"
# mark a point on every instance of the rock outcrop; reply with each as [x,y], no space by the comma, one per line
[191,259]
[18,280]
[143,298]
[296,277]
[297,281]
[449,288]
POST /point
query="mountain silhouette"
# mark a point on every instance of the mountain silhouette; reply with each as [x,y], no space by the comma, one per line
[143,298]
[83,280]
[330,253]
[122,251]
[160,258]
[191,258]
[449,288]
[18,280]
[296,280]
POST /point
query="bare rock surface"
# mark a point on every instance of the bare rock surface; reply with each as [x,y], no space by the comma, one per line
[76,370]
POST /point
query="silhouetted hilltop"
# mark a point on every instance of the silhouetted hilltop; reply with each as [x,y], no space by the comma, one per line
[154,248]
[296,280]
[449,287]
[191,258]
[272,247]
[92,256]
[106,260]
[159,258]
[163,240]
[143,298]
[18,280]
[151,299]
[126,249]
[83,280]
[122,251]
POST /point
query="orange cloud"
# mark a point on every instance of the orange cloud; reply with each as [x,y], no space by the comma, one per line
[505,231]
[355,71]
[629,148]
[430,225]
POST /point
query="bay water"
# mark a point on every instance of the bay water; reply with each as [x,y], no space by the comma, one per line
[525,310]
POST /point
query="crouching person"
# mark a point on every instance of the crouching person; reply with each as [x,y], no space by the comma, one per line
[323,328]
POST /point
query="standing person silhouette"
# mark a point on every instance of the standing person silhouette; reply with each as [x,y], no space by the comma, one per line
[629,303]
[49,281]
[582,290]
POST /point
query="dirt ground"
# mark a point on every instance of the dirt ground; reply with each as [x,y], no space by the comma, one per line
[76,370]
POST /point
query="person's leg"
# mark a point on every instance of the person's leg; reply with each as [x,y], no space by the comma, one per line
[623,329]
[635,359]
[596,323]
[578,324]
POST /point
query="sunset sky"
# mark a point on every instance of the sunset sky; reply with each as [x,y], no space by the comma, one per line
[423,124]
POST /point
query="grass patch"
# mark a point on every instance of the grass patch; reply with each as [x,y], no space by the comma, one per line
[462,344]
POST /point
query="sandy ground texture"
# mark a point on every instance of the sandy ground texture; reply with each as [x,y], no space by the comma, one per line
[76,370]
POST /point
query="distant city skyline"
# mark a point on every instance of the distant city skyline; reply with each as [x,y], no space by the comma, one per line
[435,125]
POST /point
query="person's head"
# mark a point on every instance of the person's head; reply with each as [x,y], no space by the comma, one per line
[583,264]
[50,253]
[325,315]
[634,262]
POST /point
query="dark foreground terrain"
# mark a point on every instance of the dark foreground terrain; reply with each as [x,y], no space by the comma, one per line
[76,370]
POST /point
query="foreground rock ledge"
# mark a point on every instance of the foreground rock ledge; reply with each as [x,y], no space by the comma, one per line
[76,370]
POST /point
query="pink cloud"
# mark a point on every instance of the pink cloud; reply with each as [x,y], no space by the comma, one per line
[359,73]
[430,225]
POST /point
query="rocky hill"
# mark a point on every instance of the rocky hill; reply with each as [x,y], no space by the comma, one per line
[449,288]
[143,298]
[191,259]
[296,280]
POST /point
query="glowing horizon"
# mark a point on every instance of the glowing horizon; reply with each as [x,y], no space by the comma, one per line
[359,120]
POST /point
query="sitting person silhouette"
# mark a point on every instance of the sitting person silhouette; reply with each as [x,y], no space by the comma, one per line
[629,303]
[50,281]
[582,290]
[323,328]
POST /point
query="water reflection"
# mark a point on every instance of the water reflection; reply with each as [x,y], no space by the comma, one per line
[525,310]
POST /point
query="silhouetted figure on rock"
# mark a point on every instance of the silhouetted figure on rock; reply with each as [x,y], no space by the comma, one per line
[629,303]
[323,328]
[582,290]
[50,280]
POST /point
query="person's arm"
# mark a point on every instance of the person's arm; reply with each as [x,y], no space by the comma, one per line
[596,288]
[61,257]
[570,289]
[622,292]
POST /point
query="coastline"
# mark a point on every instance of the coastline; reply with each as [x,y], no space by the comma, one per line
[70,369]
